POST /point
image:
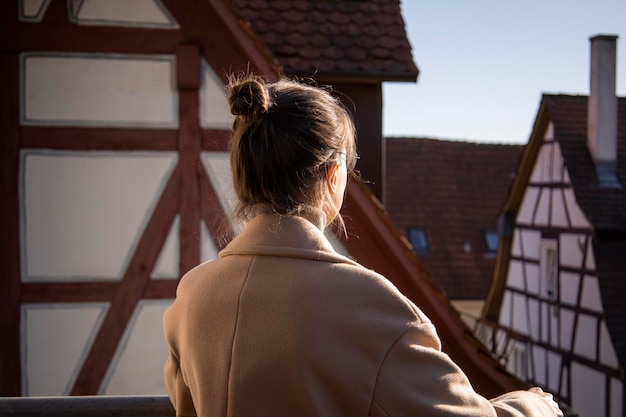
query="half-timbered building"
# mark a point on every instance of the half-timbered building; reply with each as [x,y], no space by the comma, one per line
[557,300]
[115,177]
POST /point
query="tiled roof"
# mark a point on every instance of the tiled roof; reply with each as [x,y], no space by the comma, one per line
[604,207]
[326,38]
[455,191]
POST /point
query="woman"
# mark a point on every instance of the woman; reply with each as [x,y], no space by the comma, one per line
[282,325]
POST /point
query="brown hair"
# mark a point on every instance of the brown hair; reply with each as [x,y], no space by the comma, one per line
[285,136]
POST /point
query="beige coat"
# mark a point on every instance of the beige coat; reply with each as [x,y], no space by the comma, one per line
[282,325]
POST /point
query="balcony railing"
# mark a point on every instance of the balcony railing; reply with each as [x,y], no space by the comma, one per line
[87,406]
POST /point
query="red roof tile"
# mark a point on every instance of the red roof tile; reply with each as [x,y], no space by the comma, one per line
[327,38]
[455,191]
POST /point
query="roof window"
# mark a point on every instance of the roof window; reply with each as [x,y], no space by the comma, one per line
[417,237]
[491,240]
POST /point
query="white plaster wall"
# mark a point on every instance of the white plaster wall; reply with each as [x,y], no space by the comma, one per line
[55,339]
[542,214]
[137,368]
[538,361]
[572,249]
[576,216]
[539,172]
[585,343]
[217,165]
[141,13]
[608,355]
[555,331]
[527,207]
[556,175]
[558,215]
[33,10]
[533,317]
[588,390]
[516,275]
[569,284]
[520,322]
[166,266]
[82,213]
[531,244]
[516,243]
[545,329]
[590,263]
[554,371]
[566,328]
[532,278]
[208,251]
[98,90]
[617,398]
[214,109]
[591,298]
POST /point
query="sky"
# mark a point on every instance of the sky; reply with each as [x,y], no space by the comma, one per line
[484,64]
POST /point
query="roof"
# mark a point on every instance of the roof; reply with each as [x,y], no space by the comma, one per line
[329,38]
[604,207]
[454,190]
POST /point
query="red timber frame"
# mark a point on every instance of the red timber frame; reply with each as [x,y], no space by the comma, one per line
[188,191]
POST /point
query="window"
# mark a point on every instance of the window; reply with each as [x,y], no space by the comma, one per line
[491,240]
[549,268]
[417,237]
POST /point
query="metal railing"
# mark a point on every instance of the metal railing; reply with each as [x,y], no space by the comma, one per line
[87,406]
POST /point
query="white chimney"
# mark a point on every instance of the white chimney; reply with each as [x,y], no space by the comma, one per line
[602,108]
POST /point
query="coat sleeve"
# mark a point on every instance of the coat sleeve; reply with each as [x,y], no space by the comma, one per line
[179,393]
[177,389]
[417,378]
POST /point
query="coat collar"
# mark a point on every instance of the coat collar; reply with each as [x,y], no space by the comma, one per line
[287,236]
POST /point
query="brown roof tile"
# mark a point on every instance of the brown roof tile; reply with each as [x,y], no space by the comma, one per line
[358,38]
[455,191]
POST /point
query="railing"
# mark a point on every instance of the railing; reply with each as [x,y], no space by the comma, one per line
[87,406]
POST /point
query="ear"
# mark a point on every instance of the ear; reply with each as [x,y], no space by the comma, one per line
[331,178]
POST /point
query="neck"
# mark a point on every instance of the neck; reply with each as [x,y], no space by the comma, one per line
[316,216]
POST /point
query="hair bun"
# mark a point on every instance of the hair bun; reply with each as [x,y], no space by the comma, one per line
[249,98]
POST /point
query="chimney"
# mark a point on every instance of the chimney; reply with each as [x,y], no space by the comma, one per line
[602,109]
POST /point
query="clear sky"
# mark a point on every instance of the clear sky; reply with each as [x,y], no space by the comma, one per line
[485,63]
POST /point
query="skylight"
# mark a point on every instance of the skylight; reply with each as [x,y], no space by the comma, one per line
[491,240]
[417,237]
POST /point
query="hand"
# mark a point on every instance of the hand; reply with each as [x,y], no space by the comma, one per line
[549,399]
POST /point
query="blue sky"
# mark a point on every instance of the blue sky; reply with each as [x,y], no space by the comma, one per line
[485,63]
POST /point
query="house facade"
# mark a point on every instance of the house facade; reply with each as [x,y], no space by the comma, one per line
[116,181]
[555,313]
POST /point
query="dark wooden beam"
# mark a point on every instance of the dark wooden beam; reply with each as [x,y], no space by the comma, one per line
[189,141]
[10,382]
[95,139]
[130,290]
[236,49]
